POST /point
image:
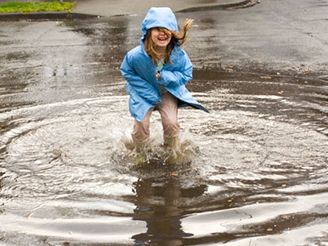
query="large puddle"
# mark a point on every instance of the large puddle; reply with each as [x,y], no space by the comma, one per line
[258,176]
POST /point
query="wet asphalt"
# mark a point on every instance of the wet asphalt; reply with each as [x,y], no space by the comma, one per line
[114,8]
[270,38]
[270,35]
[261,170]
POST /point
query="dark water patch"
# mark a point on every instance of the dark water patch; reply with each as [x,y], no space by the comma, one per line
[5,42]
[16,56]
[112,26]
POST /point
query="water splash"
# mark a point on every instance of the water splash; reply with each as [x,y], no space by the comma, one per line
[156,154]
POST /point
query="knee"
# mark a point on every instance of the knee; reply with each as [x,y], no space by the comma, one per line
[140,133]
[171,128]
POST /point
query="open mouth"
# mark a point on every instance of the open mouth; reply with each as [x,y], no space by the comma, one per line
[162,38]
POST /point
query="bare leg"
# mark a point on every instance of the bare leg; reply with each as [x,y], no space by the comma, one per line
[140,133]
[168,110]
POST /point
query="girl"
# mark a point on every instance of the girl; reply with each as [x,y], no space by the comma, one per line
[156,72]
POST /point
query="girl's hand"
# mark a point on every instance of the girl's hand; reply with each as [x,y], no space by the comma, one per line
[158,75]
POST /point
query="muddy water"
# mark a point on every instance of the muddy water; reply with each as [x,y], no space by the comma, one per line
[258,175]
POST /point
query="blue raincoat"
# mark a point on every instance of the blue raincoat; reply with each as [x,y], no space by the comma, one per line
[139,70]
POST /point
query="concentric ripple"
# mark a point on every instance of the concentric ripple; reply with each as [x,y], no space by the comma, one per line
[59,177]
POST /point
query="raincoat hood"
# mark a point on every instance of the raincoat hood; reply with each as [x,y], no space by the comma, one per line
[159,17]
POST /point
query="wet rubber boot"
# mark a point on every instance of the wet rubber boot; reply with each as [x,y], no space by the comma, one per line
[172,143]
[173,147]
[137,151]
[141,149]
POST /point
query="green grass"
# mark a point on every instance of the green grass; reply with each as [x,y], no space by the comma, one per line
[27,7]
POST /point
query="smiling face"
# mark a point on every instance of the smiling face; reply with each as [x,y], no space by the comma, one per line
[161,38]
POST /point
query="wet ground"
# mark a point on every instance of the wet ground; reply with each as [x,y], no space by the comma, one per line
[258,175]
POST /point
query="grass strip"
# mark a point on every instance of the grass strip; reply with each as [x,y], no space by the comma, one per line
[28,7]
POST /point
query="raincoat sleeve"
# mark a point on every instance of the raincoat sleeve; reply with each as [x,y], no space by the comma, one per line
[181,73]
[137,86]
[132,78]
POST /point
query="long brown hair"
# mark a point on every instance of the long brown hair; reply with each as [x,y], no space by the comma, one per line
[178,38]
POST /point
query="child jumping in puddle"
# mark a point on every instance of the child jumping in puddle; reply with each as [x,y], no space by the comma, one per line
[156,72]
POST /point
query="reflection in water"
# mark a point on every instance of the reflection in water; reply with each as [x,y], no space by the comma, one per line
[159,203]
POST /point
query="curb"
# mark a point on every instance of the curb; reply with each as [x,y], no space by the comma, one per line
[45,16]
[241,4]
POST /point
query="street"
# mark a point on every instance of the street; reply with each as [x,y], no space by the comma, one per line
[258,174]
